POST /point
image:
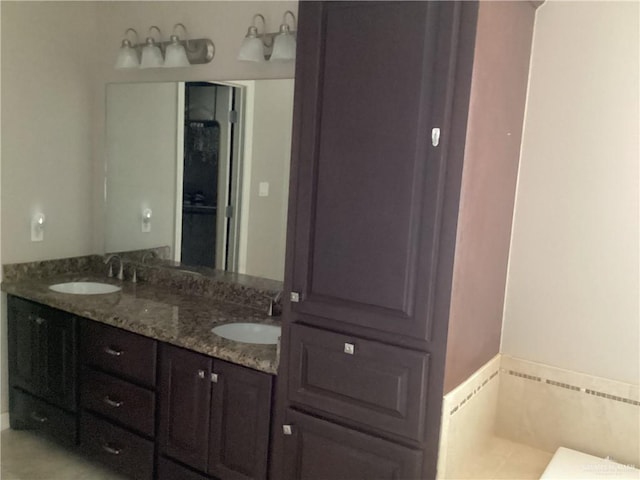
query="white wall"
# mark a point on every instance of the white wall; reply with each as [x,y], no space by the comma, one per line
[573,286]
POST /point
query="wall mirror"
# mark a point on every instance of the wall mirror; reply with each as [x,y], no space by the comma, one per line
[201,168]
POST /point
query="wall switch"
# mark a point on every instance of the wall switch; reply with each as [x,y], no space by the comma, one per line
[263,189]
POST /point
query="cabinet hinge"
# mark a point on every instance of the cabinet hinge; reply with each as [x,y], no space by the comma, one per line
[233,116]
[228,212]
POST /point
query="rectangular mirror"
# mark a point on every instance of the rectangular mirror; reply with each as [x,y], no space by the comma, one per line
[201,168]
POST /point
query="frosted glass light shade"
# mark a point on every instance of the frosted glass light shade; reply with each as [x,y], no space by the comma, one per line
[252,49]
[284,45]
[127,56]
[175,55]
[151,55]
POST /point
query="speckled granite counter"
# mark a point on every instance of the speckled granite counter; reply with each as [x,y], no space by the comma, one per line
[157,312]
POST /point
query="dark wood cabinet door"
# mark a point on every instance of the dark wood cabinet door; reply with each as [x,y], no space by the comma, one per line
[185,399]
[42,352]
[240,423]
[367,182]
[58,361]
[320,450]
[24,345]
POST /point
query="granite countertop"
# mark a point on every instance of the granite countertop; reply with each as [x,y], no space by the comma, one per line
[158,312]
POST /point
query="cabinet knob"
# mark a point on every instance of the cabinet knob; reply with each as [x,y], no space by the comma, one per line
[40,320]
[214,378]
[287,430]
[38,417]
[349,348]
[201,374]
[111,449]
[113,351]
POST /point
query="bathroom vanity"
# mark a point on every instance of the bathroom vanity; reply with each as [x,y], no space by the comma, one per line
[137,380]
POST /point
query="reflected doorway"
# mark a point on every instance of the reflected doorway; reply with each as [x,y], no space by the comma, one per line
[210,172]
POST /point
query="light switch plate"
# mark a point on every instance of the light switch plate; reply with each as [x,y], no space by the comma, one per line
[263,189]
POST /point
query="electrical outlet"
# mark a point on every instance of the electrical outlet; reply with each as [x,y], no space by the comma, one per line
[263,189]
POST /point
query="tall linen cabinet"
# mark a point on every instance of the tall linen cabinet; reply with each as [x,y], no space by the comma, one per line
[407,128]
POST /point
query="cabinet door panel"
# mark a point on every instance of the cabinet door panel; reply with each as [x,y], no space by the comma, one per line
[380,386]
[31,413]
[185,400]
[118,400]
[121,450]
[58,358]
[24,346]
[367,204]
[241,414]
[320,450]
[42,352]
[117,351]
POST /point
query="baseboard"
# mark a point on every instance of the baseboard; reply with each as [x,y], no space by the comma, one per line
[4,421]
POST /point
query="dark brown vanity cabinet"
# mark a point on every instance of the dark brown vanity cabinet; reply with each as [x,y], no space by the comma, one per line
[118,399]
[394,278]
[215,417]
[42,369]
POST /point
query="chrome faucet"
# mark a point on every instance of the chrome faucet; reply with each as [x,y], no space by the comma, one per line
[107,261]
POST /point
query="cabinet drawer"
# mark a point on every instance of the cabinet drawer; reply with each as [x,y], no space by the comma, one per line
[380,386]
[116,351]
[30,413]
[321,450]
[125,452]
[122,401]
[170,470]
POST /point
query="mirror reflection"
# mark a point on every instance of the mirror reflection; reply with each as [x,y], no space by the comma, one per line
[201,168]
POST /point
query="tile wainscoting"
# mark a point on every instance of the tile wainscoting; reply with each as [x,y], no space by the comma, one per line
[512,414]
[548,407]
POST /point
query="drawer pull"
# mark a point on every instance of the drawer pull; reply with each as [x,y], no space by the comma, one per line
[112,403]
[349,348]
[287,430]
[112,351]
[38,418]
[112,450]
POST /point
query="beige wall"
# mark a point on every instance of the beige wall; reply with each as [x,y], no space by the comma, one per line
[47,71]
[142,140]
[572,289]
[264,227]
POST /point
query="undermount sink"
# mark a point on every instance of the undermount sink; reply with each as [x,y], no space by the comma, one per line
[249,333]
[84,288]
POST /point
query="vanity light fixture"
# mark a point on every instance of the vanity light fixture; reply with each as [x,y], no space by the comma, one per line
[176,55]
[128,55]
[155,53]
[272,46]
[151,53]
[37,227]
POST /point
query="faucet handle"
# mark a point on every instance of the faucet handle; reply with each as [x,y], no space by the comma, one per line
[121,271]
[110,272]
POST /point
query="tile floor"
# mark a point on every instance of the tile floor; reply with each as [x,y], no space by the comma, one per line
[503,459]
[24,456]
